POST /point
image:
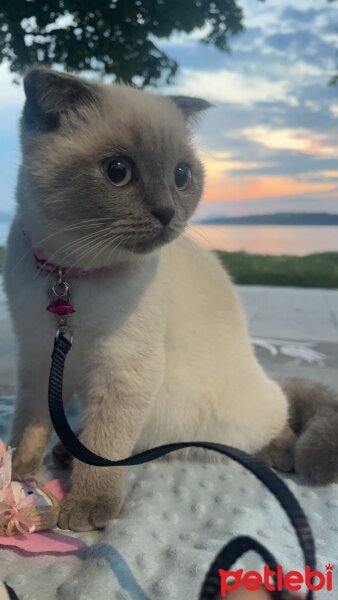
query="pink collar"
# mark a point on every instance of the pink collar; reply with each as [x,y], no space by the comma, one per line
[46,267]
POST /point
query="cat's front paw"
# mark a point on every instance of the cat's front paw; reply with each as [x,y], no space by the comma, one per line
[26,464]
[81,513]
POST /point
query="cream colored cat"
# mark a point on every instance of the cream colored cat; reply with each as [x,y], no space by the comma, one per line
[161,349]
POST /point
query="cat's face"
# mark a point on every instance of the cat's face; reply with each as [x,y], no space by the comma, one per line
[111,163]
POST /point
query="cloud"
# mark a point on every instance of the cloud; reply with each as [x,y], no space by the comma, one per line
[313,48]
[11,94]
[307,15]
[259,187]
[290,41]
[320,175]
[219,163]
[236,88]
[291,164]
[334,110]
[297,140]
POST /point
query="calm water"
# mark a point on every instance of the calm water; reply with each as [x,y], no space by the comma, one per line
[267,239]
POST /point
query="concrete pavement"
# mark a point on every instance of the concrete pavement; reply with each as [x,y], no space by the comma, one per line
[295,330]
[291,313]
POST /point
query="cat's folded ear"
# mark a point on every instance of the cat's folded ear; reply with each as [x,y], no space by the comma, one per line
[50,93]
[190,107]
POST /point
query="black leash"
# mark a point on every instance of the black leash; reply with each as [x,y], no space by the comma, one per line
[237,546]
[11,593]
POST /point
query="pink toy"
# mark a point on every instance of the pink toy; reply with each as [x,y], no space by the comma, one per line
[27,507]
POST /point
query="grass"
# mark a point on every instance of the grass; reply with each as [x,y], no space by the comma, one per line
[314,270]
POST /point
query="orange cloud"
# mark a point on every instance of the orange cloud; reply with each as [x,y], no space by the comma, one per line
[262,187]
[224,184]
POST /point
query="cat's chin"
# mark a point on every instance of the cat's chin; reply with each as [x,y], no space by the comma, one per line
[146,246]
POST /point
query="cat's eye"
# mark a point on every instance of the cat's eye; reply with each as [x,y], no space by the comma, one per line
[120,171]
[182,176]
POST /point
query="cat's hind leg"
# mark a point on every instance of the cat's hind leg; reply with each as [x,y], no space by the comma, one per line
[313,409]
[309,443]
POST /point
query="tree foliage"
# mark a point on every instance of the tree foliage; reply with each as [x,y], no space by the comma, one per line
[118,37]
[114,37]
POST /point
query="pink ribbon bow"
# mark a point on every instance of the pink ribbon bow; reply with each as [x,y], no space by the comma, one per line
[17,521]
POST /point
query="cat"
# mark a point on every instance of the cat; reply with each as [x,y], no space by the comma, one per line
[108,182]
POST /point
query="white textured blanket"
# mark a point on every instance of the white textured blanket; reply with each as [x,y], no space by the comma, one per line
[176,517]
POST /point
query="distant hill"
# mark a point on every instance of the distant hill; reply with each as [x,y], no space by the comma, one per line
[275,219]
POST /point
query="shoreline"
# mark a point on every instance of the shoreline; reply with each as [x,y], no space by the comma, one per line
[315,270]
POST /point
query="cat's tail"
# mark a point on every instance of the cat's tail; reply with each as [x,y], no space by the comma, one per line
[314,419]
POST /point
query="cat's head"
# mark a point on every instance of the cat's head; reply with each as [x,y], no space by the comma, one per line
[108,161]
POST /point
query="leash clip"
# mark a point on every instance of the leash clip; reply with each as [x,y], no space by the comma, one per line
[64,328]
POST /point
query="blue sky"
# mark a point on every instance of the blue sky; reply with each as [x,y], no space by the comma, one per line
[271,141]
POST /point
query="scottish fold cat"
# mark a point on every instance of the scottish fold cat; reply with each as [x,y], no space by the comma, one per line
[108,181]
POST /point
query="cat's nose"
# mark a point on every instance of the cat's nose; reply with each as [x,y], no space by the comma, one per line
[163,215]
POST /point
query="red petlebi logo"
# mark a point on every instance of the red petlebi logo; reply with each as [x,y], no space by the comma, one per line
[277,580]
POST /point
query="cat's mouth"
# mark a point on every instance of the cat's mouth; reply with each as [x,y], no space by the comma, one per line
[143,246]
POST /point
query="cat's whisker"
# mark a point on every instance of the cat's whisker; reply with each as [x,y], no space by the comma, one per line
[40,269]
[94,219]
[73,227]
[123,239]
[209,154]
[75,243]
[106,242]
[105,246]
[106,239]
[82,239]
[198,233]
[116,246]
[85,243]
[72,245]
[95,246]
[187,240]
[29,251]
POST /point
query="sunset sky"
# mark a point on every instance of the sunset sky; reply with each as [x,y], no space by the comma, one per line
[271,141]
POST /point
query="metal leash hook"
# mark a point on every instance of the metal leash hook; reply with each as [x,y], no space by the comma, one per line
[60,305]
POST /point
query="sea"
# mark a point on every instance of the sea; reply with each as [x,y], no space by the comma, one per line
[259,239]
[267,239]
